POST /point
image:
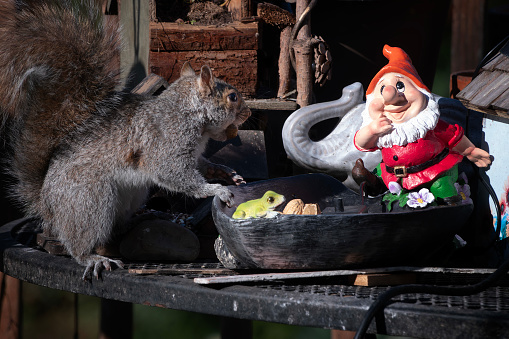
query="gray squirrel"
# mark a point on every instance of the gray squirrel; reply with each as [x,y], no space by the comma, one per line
[84,153]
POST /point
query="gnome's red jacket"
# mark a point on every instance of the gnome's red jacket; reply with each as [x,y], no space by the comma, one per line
[442,139]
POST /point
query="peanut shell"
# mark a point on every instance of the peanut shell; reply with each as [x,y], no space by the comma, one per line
[311,209]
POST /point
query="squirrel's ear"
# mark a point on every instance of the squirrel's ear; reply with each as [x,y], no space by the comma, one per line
[187,70]
[206,80]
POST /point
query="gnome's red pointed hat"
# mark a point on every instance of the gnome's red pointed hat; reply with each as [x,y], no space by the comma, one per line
[399,62]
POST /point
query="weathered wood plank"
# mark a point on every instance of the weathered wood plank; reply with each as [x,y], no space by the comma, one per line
[493,89]
[493,63]
[168,36]
[272,105]
[502,102]
[151,84]
[238,68]
[503,65]
[493,111]
[181,271]
[275,276]
[336,273]
[469,92]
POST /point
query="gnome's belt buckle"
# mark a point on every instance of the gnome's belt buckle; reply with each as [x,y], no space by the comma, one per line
[400,171]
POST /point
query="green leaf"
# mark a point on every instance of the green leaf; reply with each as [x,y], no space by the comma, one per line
[403,198]
[390,198]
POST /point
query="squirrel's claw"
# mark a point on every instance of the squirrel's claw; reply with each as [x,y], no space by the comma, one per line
[237,179]
[95,264]
[226,196]
[229,201]
[224,173]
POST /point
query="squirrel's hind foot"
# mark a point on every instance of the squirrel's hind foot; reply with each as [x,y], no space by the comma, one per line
[95,263]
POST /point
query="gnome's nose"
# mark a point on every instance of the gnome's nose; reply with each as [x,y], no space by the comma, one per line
[390,95]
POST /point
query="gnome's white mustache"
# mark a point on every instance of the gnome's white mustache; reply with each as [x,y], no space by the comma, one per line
[411,130]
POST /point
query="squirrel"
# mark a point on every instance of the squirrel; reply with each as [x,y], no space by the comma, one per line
[84,152]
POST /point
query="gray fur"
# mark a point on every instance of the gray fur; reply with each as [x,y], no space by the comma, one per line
[85,156]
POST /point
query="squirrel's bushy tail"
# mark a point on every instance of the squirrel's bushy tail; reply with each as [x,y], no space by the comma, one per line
[58,66]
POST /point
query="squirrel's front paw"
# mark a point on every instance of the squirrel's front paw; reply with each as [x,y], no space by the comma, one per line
[209,190]
[224,173]
[225,195]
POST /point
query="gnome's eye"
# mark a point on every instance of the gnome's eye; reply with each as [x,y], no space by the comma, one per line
[382,89]
[232,97]
[400,86]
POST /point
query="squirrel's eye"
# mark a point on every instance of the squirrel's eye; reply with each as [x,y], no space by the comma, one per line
[382,89]
[400,86]
[270,199]
[232,97]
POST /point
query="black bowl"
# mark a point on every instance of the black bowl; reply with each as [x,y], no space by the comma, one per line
[361,236]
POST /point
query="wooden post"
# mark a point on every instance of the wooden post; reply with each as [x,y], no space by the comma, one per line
[284,62]
[240,9]
[10,307]
[304,58]
[135,20]
[467,34]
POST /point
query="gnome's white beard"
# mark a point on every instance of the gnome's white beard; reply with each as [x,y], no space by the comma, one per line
[411,130]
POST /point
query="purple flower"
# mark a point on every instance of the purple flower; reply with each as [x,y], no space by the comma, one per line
[463,177]
[420,199]
[464,192]
[395,188]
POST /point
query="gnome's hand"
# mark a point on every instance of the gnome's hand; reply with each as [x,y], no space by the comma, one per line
[367,137]
[479,157]
[380,126]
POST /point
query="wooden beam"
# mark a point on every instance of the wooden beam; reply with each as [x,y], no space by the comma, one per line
[238,67]
[169,36]
[467,34]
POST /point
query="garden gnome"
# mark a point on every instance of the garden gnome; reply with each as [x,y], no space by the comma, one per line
[402,119]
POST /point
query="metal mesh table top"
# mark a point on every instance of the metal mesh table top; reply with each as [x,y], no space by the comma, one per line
[328,302]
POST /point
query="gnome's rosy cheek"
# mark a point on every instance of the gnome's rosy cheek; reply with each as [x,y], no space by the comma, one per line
[415,96]
[376,108]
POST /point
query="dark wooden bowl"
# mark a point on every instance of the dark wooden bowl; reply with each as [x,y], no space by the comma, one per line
[362,236]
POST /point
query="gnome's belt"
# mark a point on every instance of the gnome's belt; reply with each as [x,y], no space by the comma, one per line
[403,171]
